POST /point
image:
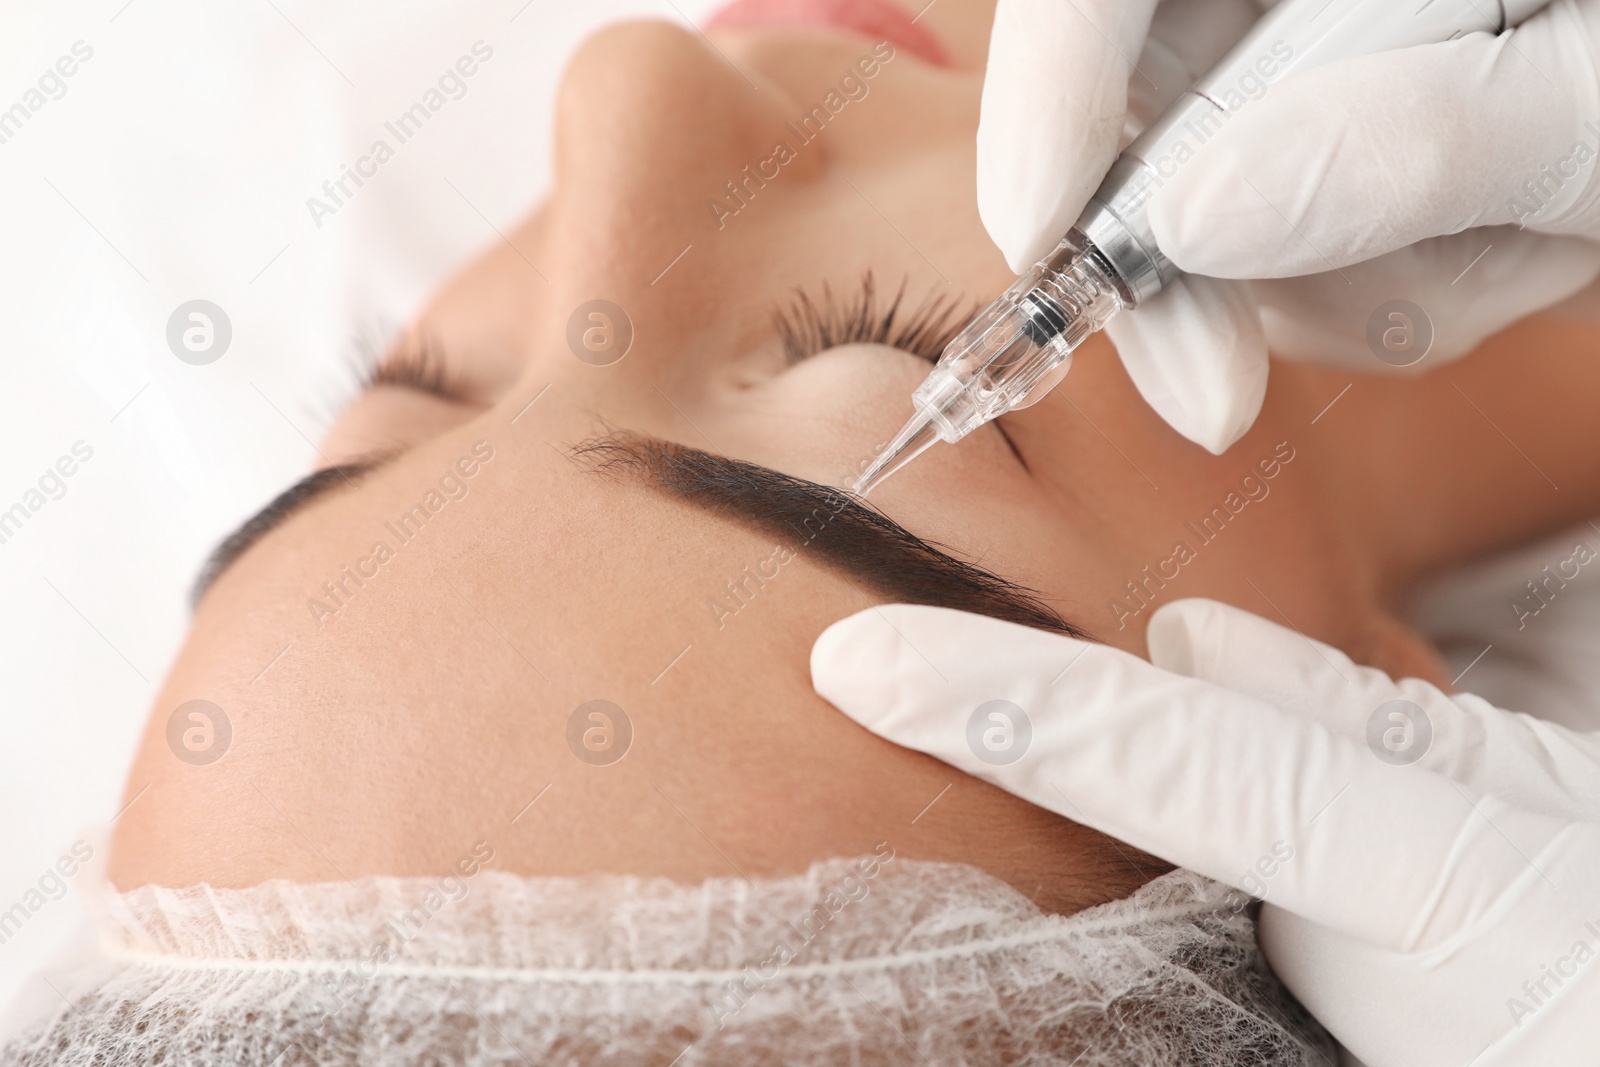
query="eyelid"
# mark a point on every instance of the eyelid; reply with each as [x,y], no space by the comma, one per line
[429,395]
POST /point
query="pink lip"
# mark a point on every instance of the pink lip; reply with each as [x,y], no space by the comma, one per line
[877,19]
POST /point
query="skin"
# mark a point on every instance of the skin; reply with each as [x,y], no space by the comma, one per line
[431,709]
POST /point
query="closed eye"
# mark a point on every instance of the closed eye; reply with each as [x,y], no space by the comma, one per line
[416,363]
[807,326]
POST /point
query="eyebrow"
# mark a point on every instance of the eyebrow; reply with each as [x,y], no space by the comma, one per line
[828,522]
[282,507]
[851,537]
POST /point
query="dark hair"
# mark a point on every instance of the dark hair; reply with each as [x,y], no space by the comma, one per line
[829,522]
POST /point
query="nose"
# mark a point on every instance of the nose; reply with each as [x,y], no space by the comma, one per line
[651,122]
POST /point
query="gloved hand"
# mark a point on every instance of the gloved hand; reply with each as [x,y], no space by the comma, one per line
[1481,116]
[1430,864]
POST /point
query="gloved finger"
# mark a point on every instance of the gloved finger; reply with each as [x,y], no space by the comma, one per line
[1333,971]
[1198,33]
[1186,39]
[1424,304]
[1201,776]
[1028,212]
[1535,765]
[1198,356]
[1286,187]
[1371,999]
[1054,96]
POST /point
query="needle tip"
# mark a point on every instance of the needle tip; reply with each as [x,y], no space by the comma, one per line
[915,438]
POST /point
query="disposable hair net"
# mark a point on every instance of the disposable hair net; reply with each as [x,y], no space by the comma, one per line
[871,961]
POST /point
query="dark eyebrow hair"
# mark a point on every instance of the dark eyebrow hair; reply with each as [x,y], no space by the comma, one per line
[301,494]
[829,522]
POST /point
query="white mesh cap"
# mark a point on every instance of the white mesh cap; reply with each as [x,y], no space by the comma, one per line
[871,961]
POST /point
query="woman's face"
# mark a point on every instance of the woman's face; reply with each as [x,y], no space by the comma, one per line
[687,196]
[389,708]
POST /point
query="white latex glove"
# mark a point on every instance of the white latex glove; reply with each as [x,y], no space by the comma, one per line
[1058,105]
[1413,907]
[1325,174]
[1354,159]
[1481,116]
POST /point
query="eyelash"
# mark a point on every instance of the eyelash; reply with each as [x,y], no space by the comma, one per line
[417,363]
[808,326]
